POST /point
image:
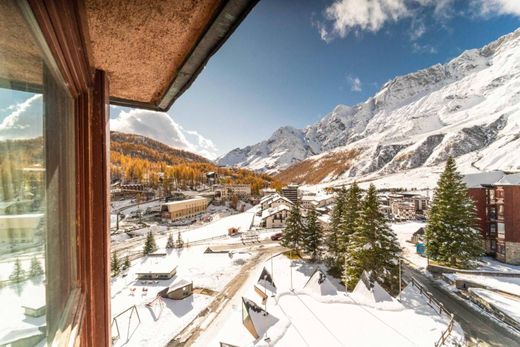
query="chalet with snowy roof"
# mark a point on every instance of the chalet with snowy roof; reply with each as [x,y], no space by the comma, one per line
[497,197]
[256,320]
[275,217]
[317,201]
[274,201]
[157,268]
[320,284]
[369,291]
[418,236]
[179,289]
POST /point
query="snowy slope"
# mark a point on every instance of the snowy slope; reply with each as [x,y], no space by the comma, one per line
[468,108]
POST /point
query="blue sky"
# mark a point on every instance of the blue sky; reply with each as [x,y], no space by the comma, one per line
[291,61]
[277,70]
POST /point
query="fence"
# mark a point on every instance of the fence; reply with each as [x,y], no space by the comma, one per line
[434,302]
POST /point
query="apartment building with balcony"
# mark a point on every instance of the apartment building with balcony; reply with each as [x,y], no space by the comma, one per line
[497,206]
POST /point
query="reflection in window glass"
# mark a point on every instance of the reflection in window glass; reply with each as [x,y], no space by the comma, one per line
[37,188]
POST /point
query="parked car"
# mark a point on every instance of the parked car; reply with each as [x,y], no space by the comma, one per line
[276,236]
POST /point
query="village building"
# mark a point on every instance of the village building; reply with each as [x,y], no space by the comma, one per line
[20,228]
[291,192]
[226,191]
[256,320]
[176,210]
[179,289]
[156,268]
[275,217]
[405,206]
[267,191]
[119,191]
[274,200]
[317,201]
[497,204]
[418,236]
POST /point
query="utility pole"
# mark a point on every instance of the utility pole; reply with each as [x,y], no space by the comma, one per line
[400,281]
[291,270]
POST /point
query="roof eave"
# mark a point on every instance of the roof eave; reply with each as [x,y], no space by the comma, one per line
[219,29]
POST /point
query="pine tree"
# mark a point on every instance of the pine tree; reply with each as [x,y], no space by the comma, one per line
[114,264]
[452,231]
[149,246]
[312,235]
[349,217]
[36,268]
[292,234]
[18,274]
[169,243]
[179,243]
[373,247]
[126,264]
[332,235]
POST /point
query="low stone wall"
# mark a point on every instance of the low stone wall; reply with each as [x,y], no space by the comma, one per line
[492,309]
[439,269]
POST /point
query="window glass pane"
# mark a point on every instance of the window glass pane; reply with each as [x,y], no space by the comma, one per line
[37,187]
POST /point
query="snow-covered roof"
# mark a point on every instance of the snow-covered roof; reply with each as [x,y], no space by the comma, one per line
[177,202]
[178,283]
[157,265]
[266,281]
[513,179]
[370,292]
[274,210]
[476,180]
[319,284]
[260,318]
[269,197]
[325,218]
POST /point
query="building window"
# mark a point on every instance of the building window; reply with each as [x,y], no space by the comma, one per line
[37,186]
[501,229]
[500,209]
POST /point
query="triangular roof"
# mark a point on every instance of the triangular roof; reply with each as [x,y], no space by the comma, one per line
[266,281]
[261,320]
[271,211]
[319,284]
[370,291]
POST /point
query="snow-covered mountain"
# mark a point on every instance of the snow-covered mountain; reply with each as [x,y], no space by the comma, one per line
[468,108]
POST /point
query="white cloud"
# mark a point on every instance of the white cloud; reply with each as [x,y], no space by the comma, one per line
[498,7]
[355,84]
[161,127]
[348,15]
[345,16]
[25,121]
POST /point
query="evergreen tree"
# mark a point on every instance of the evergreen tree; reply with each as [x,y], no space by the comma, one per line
[349,217]
[373,247]
[18,274]
[292,234]
[149,246]
[169,243]
[179,243]
[334,254]
[126,264]
[312,234]
[36,268]
[114,264]
[452,231]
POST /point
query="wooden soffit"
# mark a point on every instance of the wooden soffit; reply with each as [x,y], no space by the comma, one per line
[153,50]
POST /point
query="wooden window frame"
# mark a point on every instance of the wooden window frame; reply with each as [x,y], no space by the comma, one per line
[62,25]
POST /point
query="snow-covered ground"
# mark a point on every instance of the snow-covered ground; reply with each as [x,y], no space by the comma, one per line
[508,305]
[305,318]
[509,285]
[160,325]
[404,232]
[12,298]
